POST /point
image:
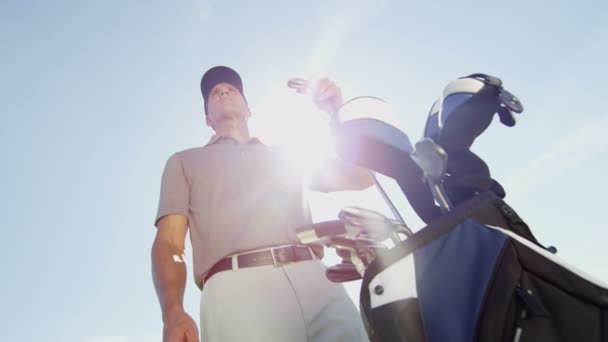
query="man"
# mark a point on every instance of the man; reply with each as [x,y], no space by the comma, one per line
[242,203]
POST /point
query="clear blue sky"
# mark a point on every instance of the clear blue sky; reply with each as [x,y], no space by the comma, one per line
[95,95]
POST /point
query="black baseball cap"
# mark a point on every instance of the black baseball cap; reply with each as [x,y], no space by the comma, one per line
[216,75]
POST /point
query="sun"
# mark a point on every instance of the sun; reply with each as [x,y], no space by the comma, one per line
[290,121]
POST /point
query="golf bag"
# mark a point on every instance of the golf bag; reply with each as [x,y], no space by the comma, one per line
[461,280]
[475,272]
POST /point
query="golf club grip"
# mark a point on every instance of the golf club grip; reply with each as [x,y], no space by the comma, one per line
[326,228]
[299,84]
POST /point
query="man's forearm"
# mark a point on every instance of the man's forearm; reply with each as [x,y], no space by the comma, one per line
[169,274]
[336,174]
[361,178]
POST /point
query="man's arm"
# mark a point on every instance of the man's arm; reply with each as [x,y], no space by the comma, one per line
[169,274]
[337,175]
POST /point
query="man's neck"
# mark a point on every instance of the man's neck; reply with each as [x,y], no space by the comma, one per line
[240,133]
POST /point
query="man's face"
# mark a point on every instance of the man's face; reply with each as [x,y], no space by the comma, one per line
[226,103]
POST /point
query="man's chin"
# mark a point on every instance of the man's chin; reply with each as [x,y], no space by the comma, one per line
[231,117]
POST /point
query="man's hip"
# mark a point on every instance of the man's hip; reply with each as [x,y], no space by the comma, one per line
[290,302]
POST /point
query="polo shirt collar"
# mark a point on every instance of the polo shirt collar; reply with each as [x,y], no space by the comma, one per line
[218,139]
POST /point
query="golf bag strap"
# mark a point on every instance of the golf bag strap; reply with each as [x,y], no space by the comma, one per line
[436,229]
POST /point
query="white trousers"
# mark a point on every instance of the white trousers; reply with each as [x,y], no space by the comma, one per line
[294,302]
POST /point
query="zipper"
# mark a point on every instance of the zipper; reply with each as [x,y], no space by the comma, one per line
[531,305]
[519,330]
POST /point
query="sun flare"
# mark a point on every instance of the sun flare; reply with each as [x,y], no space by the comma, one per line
[290,121]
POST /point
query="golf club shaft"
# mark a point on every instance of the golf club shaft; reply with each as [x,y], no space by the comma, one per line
[388,201]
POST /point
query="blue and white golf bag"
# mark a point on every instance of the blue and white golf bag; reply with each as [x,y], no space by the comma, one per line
[475,272]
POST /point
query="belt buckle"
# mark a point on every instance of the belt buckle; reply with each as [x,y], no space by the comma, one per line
[282,255]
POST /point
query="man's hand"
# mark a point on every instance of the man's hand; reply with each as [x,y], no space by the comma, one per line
[180,327]
[326,95]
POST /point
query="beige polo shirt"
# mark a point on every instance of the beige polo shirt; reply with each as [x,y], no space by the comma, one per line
[237,197]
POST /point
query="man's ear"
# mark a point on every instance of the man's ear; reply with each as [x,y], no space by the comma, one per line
[209,122]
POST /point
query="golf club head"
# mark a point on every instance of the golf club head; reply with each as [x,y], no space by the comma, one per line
[368,222]
[431,158]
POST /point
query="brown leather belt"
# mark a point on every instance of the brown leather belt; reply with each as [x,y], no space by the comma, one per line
[276,256]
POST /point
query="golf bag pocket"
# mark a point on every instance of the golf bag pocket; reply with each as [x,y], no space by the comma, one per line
[535,296]
[460,280]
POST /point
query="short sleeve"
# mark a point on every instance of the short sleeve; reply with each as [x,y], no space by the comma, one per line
[174,193]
